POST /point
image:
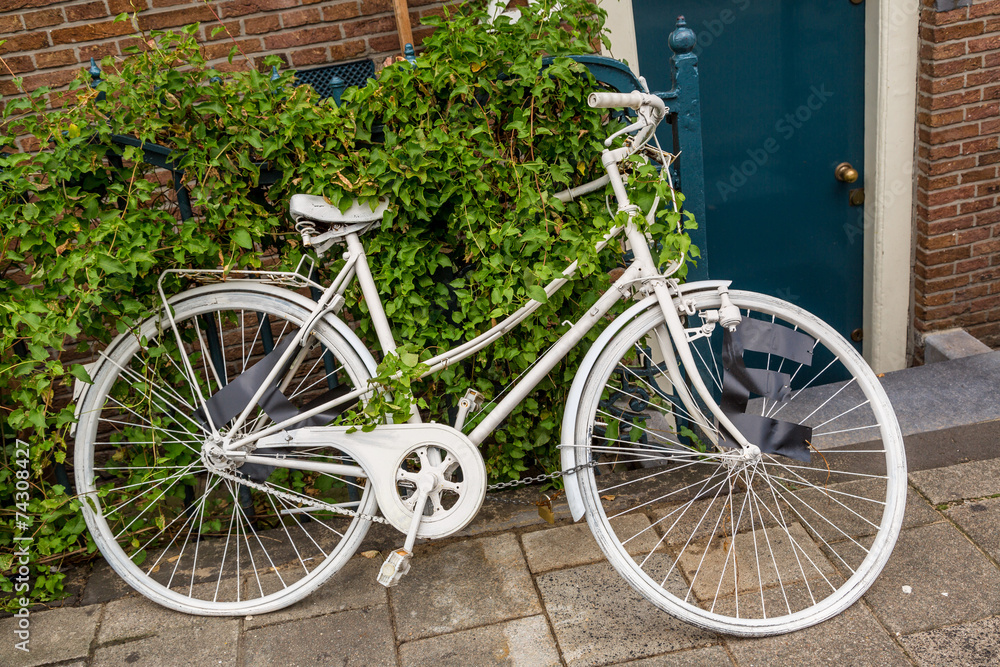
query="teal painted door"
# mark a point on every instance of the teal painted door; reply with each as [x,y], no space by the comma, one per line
[782,90]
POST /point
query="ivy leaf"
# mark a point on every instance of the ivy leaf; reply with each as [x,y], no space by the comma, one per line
[242,238]
[80,373]
[538,294]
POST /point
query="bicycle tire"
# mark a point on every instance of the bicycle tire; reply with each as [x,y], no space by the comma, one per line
[166,523]
[741,548]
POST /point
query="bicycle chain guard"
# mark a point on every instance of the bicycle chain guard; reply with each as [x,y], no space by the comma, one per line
[396,457]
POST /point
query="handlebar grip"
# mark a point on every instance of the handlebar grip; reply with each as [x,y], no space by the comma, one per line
[615,100]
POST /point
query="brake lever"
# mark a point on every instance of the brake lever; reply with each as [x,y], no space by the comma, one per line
[638,125]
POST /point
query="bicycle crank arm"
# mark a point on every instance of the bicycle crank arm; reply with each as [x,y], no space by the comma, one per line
[400,461]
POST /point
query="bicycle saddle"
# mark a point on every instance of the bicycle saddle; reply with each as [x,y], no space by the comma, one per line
[307,210]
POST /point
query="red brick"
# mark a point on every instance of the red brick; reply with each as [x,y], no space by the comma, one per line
[945,256]
[87,11]
[940,212]
[976,205]
[948,196]
[117,7]
[931,51]
[991,187]
[347,50]
[983,111]
[159,4]
[992,93]
[988,218]
[946,311]
[53,79]
[950,67]
[223,49]
[941,182]
[175,18]
[942,119]
[986,248]
[990,126]
[98,51]
[243,7]
[384,43]
[936,152]
[989,158]
[985,44]
[982,77]
[261,24]
[311,56]
[990,8]
[299,17]
[370,26]
[959,31]
[215,31]
[973,264]
[945,226]
[968,319]
[948,166]
[973,292]
[933,271]
[131,45]
[950,134]
[949,283]
[980,145]
[979,175]
[369,7]
[12,5]
[9,24]
[31,41]
[944,18]
[344,10]
[936,242]
[972,235]
[91,32]
[939,298]
[955,99]
[302,37]
[991,59]
[45,18]
[46,59]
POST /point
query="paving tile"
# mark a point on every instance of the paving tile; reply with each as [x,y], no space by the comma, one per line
[851,638]
[463,585]
[711,656]
[104,584]
[360,637]
[948,579]
[138,617]
[353,587]
[568,546]
[525,642]
[599,619]
[977,479]
[60,634]
[753,560]
[197,646]
[981,520]
[970,645]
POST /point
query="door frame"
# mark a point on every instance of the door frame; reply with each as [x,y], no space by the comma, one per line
[891,62]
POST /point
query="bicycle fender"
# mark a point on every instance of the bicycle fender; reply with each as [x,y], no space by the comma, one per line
[568,453]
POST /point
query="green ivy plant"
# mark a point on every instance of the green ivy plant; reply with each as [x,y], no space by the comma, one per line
[467,145]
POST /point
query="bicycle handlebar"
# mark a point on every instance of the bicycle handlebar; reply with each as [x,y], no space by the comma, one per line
[633,100]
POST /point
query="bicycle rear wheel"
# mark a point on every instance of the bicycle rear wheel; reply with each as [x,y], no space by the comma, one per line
[165,520]
[757,546]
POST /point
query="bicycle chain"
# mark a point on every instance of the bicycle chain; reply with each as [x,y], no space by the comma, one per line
[378,519]
[299,499]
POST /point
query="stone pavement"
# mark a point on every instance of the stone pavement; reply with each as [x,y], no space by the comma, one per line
[514,591]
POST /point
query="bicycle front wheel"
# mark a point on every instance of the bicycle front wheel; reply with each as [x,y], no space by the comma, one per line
[745,545]
[164,518]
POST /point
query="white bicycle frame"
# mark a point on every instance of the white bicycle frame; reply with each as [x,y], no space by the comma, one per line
[641,275]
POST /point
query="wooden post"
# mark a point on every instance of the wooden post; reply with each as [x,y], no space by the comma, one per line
[403,23]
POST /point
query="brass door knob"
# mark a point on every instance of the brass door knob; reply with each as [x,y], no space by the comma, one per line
[845,172]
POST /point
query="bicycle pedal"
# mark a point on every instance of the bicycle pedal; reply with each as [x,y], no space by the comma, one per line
[394,567]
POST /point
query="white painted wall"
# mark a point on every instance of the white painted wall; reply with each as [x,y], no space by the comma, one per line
[620,27]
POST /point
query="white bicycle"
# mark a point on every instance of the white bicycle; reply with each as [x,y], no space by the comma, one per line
[736,459]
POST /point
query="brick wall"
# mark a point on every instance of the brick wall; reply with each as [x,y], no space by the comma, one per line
[957,264]
[49,41]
